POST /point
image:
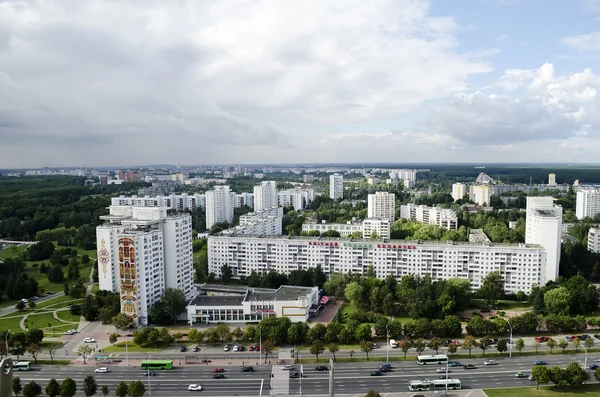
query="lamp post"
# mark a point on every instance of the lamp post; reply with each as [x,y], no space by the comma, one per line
[6,342]
[387,350]
[301,374]
[510,341]
[260,345]
[148,376]
[586,352]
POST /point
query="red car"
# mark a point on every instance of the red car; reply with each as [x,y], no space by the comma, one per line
[241,348]
[251,348]
[257,348]
[219,370]
[457,343]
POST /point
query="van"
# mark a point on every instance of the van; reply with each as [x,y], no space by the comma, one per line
[393,343]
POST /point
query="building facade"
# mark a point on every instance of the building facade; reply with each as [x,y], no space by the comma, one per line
[265,196]
[219,206]
[480,194]
[381,227]
[587,203]
[458,191]
[543,226]
[442,217]
[594,240]
[336,186]
[521,265]
[264,223]
[382,205]
[179,202]
[297,198]
[344,229]
[141,252]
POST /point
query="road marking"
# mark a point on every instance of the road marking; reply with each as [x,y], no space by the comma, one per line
[261,386]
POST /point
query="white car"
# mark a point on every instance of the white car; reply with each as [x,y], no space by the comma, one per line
[287,367]
[101,370]
[491,362]
[89,340]
[235,348]
[226,348]
[441,370]
[69,332]
[194,387]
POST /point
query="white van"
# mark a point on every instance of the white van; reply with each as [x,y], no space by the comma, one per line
[393,343]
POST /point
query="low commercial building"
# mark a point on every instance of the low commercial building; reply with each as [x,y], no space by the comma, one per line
[252,305]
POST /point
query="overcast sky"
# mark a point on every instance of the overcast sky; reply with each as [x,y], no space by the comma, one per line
[122,82]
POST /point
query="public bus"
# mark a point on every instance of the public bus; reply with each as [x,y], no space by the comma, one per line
[22,366]
[157,364]
[437,384]
[433,359]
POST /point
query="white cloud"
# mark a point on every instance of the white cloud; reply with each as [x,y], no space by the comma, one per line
[197,82]
[583,42]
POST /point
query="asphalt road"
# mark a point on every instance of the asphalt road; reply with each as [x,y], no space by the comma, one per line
[163,383]
[350,378]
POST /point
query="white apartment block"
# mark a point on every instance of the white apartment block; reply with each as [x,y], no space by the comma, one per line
[382,205]
[265,223]
[219,206]
[543,226]
[480,194]
[265,196]
[381,227]
[442,217]
[344,229]
[179,202]
[297,198]
[244,199]
[141,252]
[521,265]
[587,203]
[594,240]
[336,186]
[458,191]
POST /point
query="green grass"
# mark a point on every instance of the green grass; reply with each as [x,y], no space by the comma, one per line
[549,391]
[95,288]
[11,251]
[67,316]
[11,322]
[41,320]
[347,308]
[132,347]
[56,362]
[41,315]
[58,303]
[501,305]
[50,343]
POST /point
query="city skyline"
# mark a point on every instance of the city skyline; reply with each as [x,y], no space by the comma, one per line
[128,83]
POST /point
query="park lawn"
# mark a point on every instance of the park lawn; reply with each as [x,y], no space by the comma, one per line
[11,251]
[57,331]
[11,322]
[50,343]
[501,305]
[347,308]
[95,288]
[59,302]
[42,320]
[132,347]
[67,316]
[586,390]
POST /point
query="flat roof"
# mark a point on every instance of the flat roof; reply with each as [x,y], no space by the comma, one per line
[285,292]
[218,300]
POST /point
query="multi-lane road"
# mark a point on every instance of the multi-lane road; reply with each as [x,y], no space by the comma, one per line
[350,378]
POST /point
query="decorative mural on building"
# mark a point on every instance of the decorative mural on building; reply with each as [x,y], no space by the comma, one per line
[127,278]
[103,257]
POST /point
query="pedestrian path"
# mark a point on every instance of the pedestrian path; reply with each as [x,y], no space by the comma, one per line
[280,379]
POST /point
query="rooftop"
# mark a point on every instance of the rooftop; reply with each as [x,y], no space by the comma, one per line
[285,292]
[218,300]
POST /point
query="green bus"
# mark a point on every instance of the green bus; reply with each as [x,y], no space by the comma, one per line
[157,364]
[22,366]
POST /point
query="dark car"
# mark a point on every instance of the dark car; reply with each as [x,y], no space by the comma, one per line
[386,365]
[385,369]
[469,366]
[182,348]
[594,366]
[375,373]
[146,373]
[218,376]
[196,348]
[321,368]
[50,293]
[247,369]
[295,374]
[540,362]
[583,337]
[596,336]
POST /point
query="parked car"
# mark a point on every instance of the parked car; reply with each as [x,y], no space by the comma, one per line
[89,340]
[247,369]
[251,348]
[196,348]
[218,376]
[540,362]
[43,295]
[375,373]
[101,370]
[569,338]
[218,370]
[375,346]
[491,362]
[287,367]
[235,348]
[520,375]
[457,343]
[241,348]
[594,366]
[226,348]
[194,387]
[50,293]
[596,336]
[321,368]
[256,348]
[182,348]
[583,337]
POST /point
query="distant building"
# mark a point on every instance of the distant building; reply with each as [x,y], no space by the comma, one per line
[308,178]
[552,179]
[297,198]
[458,191]
[265,196]
[480,194]
[336,186]
[594,240]
[543,226]
[587,203]
[381,227]
[382,205]
[484,178]
[242,199]
[442,217]
[263,223]
[219,206]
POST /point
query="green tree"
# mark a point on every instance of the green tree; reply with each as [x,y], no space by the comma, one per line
[20,306]
[316,348]
[226,274]
[121,390]
[576,343]
[492,287]
[267,348]
[551,344]
[420,345]
[112,338]
[589,343]
[520,344]
[105,390]
[452,348]
[174,301]
[558,376]
[223,331]
[576,376]
[52,388]
[237,333]
[84,352]
[435,344]
[367,347]
[354,293]
[34,350]
[333,348]
[597,374]
[372,393]
[68,388]
[541,375]
[136,389]
[89,386]
[536,346]
[121,322]
[351,353]
[363,332]
[557,301]
[17,387]
[563,344]
[32,389]
[502,345]
[484,343]
[469,343]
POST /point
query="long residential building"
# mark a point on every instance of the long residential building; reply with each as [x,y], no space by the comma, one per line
[179,202]
[141,252]
[521,265]
[365,228]
[263,223]
[297,198]
[587,203]
[594,240]
[441,217]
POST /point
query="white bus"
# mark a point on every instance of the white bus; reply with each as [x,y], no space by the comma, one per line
[22,366]
[393,343]
[433,359]
[438,384]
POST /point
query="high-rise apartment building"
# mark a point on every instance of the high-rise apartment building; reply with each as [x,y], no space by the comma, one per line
[543,226]
[219,206]
[594,240]
[336,186]
[265,196]
[297,198]
[552,179]
[141,252]
[480,194]
[458,191]
[382,205]
[587,203]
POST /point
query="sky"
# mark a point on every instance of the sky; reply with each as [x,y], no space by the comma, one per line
[131,82]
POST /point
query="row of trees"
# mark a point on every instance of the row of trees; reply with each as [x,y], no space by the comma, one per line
[68,388]
[564,296]
[573,375]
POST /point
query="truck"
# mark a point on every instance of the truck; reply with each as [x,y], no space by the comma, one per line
[393,343]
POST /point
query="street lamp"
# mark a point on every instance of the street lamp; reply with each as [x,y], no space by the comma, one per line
[510,341]
[387,350]
[260,345]
[6,342]
[586,352]
[301,374]
[148,376]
